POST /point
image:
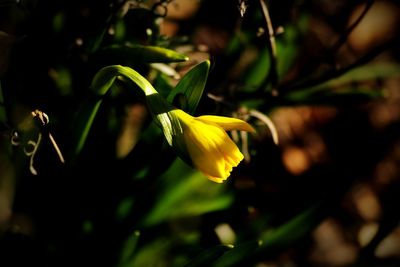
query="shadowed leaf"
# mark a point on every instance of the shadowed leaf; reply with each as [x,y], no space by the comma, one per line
[186,192]
[209,256]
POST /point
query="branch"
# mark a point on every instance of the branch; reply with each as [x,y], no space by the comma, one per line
[273,75]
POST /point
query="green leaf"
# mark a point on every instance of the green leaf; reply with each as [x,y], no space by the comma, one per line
[83,123]
[124,208]
[275,239]
[129,249]
[334,97]
[343,88]
[258,71]
[162,84]
[237,254]
[287,49]
[186,192]
[209,256]
[190,88]
[154,253]
[102,83]
[141,54]
[363,73]
[293,230]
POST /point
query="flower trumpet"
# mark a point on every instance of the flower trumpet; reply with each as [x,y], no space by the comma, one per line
[208,145]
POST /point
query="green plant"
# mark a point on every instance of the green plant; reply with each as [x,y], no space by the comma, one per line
[95,98]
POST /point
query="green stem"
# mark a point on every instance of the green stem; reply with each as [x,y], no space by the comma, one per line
[103,80]
[101,84]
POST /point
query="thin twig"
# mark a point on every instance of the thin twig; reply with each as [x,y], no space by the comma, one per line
[3,112]
[330,53]
[273,74]
[336,73]
[32,153]
[267,121]
[163,4]
[242,6]
[221,100]
[58,150]
[244,136]
[343,37]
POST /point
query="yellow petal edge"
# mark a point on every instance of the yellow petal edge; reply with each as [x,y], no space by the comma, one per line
[210,148]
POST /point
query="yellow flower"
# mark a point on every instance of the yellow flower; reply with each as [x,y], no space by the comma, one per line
[209,147]
[202,141]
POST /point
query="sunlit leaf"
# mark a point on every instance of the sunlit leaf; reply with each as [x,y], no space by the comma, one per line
[102,84]
[141,54]
[190,88]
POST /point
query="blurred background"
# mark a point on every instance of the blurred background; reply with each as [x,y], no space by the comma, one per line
[325,74]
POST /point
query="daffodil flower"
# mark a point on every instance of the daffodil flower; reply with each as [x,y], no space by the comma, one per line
[207,144]
[201,141]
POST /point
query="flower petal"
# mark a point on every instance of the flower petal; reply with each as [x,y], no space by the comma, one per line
[203,143]
[210,148]
[216,179]
[227,123]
